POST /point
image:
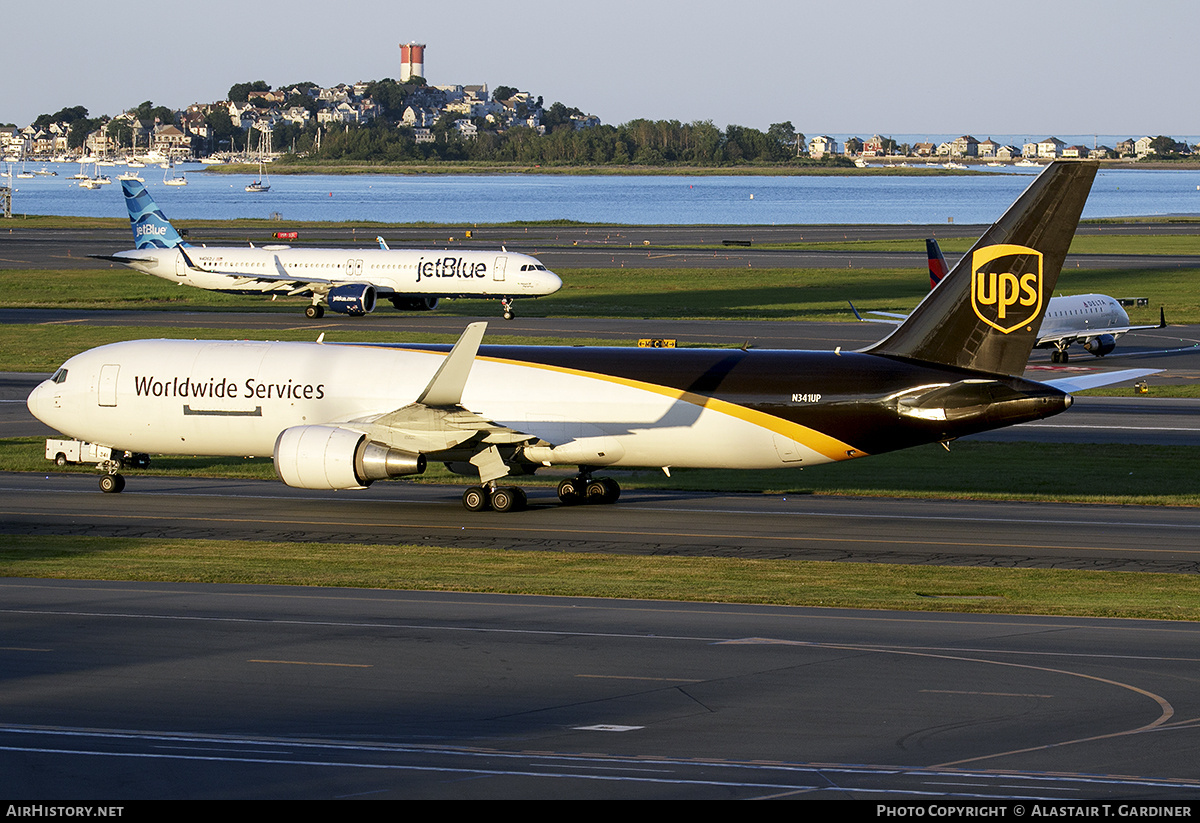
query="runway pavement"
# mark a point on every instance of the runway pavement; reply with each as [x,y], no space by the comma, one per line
[125,691]
[573,247]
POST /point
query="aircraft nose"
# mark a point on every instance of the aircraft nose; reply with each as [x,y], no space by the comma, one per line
[37,399]
[551,281]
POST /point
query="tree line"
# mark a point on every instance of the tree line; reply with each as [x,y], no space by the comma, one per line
[638,142]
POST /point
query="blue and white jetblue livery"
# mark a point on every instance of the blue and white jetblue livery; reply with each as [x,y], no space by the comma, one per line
[348,281]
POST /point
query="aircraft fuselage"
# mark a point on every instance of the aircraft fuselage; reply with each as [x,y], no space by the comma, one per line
[435,273]
[587,406]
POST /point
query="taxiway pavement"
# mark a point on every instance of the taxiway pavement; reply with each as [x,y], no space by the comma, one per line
[125,691]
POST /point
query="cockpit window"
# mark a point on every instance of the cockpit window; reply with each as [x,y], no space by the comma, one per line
[59,376]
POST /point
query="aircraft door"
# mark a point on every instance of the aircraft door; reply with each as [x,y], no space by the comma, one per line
[498,272]
[106,389]
[353,268]
[181,267]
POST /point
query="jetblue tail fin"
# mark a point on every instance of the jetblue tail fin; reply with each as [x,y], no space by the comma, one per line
[985,314]
[937,263]
[151,229]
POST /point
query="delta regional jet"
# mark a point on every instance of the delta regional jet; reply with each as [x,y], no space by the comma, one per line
[344,416]
[1094,321]
[349,281]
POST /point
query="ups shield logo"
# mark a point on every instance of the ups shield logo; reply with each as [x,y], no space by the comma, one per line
[1006,286]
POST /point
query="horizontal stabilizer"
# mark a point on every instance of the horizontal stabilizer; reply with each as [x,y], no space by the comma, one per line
[1097,380]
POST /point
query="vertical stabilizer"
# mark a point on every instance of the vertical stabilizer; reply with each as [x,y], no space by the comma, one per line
[985,314]
[151,229]
[937,263]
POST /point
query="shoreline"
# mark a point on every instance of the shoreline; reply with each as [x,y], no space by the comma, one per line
[916,167]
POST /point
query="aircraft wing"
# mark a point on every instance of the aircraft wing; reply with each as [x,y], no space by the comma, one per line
[438,423]
[893,318]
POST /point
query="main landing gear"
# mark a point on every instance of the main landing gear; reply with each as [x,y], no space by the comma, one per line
[491,496]
[582,488]
[1059,356]
[315,312]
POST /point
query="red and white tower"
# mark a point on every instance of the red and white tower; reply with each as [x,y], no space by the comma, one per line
[412,61]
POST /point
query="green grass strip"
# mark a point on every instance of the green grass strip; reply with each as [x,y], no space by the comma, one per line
[732,293]
[703,579]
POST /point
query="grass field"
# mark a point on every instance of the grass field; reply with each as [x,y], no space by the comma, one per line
[707,579]
[725,294]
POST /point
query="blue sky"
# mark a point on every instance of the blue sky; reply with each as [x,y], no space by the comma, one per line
[1018,67]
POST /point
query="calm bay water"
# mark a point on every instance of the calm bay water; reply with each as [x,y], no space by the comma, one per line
[463,199]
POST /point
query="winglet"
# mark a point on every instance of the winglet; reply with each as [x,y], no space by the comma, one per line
[446,387]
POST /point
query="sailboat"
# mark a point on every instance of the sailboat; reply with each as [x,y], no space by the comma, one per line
[262,184]
[181,180]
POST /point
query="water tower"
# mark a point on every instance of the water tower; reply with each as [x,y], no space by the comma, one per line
[412,61]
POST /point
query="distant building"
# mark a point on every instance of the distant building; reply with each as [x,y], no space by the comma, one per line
[1050,148]
[819,147]
[965,146]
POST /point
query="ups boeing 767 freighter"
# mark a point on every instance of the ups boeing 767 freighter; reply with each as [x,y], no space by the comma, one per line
[343,416]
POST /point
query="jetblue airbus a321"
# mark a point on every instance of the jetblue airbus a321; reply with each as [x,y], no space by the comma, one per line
[344,416]
[349,280]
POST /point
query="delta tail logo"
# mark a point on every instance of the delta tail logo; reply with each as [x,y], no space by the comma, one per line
[1006,286]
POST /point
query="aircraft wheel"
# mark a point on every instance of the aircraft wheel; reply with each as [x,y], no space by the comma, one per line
[614,489]
[60,459]
[314,312]
[569,493]
[112,483]
[1064,358]
[602,490]
[475,499]
[508,315]
[508,499]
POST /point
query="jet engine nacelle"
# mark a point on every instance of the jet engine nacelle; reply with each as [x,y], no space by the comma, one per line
[1100,345]
[332,457]
[415,303]
[354,299]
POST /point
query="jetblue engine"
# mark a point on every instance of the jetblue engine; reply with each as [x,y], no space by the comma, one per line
[354,299]
[1100,345]
[331,457]
[415,303]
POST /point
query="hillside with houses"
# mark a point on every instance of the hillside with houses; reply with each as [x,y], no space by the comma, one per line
[387,121]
